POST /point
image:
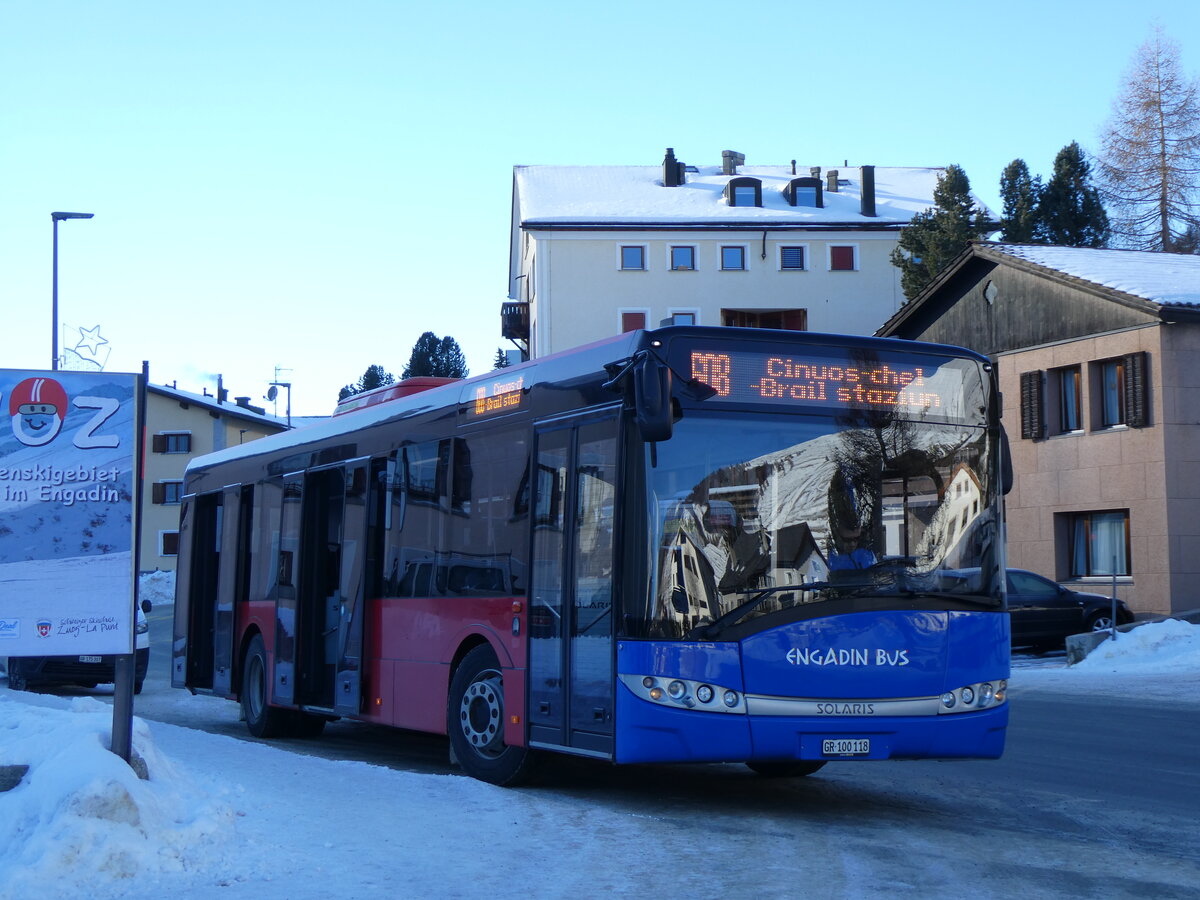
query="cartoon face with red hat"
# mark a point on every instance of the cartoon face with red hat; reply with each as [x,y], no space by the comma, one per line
[38,407]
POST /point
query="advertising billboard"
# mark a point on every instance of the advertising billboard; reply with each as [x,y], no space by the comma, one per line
[68,493]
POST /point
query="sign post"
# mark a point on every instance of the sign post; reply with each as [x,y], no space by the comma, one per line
[69,467]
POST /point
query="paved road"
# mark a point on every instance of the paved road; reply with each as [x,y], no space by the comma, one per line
[1094,797]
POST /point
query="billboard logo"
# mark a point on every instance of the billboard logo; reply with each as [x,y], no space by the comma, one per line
[43,628]
[38,407]
[10,629]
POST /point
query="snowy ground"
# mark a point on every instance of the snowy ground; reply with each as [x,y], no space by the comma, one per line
[221,817]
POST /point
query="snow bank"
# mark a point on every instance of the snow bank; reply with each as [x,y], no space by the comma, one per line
[158,587]
[1166,647]
[81,817]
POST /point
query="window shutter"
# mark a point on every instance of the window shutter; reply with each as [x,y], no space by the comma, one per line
[791,257]
[1137,401]
[158,492]
[1033,424]
[160,443]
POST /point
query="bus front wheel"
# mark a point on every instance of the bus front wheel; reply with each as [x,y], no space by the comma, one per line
[262,720]
[475,722]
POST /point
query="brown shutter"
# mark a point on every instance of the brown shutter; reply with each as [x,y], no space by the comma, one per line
[1137,394]
[158,491]
[1033,419]
[159,444]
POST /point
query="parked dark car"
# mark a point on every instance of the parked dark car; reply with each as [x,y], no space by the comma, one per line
[1044,613]
[85,671]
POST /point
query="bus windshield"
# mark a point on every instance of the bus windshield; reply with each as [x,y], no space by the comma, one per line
[751,514]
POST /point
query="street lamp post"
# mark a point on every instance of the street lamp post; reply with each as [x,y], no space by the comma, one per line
[57,217]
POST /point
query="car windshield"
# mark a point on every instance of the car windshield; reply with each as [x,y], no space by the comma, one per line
[750,515]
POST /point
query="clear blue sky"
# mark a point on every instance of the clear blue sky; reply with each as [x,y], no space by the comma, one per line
[312,185]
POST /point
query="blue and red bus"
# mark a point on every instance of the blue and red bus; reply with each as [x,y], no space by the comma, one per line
[681,545]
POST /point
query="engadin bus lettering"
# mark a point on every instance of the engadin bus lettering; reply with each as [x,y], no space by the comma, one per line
[842,657]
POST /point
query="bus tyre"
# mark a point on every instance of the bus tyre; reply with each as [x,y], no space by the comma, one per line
[262,720]
[475,722]
[786,769]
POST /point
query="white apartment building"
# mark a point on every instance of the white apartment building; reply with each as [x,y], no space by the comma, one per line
[597,250]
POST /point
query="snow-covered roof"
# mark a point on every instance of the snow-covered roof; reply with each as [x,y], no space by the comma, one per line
[1169,279]
[207,401]
[625,195]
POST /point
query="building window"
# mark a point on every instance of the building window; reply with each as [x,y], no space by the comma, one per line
[1112,393]
[1120,391]
[743,192]
[1070,416]
[804,192]
[785,319]
[168,543]
[733,259]
[683,259]
[172,442]
[167,492]
[633,319]
[842,258]
[633,258]
[791,259]
[1100,543]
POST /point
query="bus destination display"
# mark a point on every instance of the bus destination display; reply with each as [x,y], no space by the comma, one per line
[832,382]
[497,397]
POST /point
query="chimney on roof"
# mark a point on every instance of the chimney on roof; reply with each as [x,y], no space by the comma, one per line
[867,195]
[730,160]
[831,180]
[815,172]
[221,392]
[673,174]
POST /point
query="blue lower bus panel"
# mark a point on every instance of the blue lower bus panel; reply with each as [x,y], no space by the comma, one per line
[899,685]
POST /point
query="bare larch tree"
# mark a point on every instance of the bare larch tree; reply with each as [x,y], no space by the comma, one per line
[1150,158]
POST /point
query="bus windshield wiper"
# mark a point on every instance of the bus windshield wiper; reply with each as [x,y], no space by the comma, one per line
[714,628]
[974,599]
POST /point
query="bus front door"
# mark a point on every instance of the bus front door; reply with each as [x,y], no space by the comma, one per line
[571,620]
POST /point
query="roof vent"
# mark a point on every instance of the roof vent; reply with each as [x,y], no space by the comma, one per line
[867,193]
[673,170]
[831,181]
[730,160]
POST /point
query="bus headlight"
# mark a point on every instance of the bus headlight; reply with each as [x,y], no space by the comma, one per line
[682,693]
[973,697]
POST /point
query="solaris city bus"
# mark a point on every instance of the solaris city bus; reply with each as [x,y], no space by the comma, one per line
[682,545]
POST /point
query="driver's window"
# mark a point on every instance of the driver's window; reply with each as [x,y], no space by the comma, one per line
[1031,586]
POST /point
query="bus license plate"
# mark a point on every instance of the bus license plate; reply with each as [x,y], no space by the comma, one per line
[96,659]
[846,747]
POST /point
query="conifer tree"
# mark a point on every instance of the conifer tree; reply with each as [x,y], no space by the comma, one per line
[438,357]
[1150,156]
[375,376]
[501,359]
[939,234]
[1070,212]
[1020,193]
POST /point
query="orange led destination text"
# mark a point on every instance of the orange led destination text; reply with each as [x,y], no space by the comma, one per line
[792,379]
[498,396]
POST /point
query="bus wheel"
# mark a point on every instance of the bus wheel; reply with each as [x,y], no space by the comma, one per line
[475,722]
[262,720]
[786,769]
